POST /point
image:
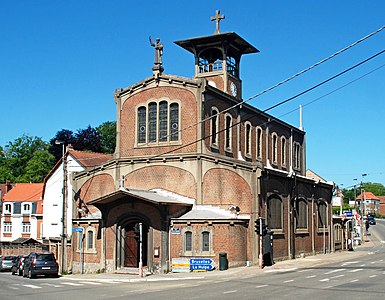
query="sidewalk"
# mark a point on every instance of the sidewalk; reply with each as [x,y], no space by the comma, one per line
[280,266]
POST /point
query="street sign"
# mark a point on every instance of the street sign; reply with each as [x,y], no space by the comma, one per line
[77,229]
[348,213]
[201,264]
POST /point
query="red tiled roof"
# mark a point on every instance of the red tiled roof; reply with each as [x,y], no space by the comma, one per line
[90,159]
[25,192]
[367,196]
[382,199]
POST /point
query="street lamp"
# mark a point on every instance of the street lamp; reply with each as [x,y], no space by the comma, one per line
[64,212]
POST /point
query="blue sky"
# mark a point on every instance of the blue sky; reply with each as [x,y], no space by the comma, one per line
[60,62]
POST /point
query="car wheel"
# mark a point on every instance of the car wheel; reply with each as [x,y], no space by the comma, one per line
[24,273]
[30,274]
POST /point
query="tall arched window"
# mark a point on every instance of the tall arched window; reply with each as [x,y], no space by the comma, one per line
[297,156]
[322,215]
[142,124]
[188,241]
[259,143]
[214,127]
[163,121]
[228,131]
[174,122]
[90,240]
[274,213]
[274,149]
[152,116]
[302,214]
[205,241]
[248,139]
[283,151]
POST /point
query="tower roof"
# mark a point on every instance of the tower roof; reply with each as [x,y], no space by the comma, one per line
[237,46]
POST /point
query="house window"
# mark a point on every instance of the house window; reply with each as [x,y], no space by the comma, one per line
[322,215]
[7,208]
[26,208]
[302,214]
[297,155]
[188,241]
[90,239]
[26,227]
[205,241]
[228,129]
[248,139]
[214,127]
[274,148]
[283,151]
[259,143]
[158,122]
[274,213]
[7,227]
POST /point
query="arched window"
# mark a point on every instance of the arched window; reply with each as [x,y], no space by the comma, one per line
[297,155]
[248,139]
[275,213]
[214,127]
[142,124]
[7,208]
[90,239]
[283,151]
[152,116]
[228,132]
[188,241]
[174,122]
[302,214]
[205,241]
[274,149]
[26,208]
[259,143]
[163,120]
[322,215]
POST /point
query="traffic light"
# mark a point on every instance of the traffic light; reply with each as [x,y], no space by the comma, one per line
[260,226]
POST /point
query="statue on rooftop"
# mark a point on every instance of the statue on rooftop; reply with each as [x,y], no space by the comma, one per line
[158,54]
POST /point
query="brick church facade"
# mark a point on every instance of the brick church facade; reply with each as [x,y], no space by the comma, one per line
[196,166]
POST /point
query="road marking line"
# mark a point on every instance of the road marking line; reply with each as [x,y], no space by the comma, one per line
[325,279]
[90,282]
[355,270]
[229,292]
[72,283]
[32,286]
[261,286]
[53,285]
[355,280]
[372,276]
[362,265]
[333,271]
[311,276]
[286,281]
[349,263]
[329,287]
[337,276]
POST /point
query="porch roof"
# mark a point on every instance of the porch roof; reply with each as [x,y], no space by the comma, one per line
[156,196]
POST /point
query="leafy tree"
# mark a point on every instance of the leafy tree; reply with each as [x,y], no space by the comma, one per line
[88,140]
[376,188]
[107,131]
[64,135]
[25,151]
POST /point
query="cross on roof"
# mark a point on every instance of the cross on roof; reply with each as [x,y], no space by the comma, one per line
[217,18]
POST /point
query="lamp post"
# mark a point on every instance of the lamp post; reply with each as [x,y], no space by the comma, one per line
[362,206]
[64,210]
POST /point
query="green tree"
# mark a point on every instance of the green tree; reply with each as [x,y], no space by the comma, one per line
[22,152]
[376,188]
[64,135]
[107,131]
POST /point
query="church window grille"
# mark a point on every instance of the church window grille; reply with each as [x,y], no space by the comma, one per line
[322,215]
[231,66]
[174,121]
[274,213]
[283,151]
[297,155]
[228,137]
[274,148]
[248,139]
[188,241]
[90,239]
[152,116]
[302,214]
[163,114]
[142,124]
[214,127]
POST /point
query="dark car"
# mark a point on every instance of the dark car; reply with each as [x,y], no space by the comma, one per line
[40,264]
[18,265]
[372,221]
[6,262]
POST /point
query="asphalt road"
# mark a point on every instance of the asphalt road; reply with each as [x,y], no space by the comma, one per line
[358,275]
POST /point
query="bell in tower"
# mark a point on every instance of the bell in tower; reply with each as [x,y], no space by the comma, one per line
[218,56]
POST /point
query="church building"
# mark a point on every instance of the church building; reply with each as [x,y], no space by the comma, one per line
[194,169]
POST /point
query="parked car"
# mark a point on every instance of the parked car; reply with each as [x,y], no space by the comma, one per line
[372,221]
[18,265]
[6,262]
[40,264]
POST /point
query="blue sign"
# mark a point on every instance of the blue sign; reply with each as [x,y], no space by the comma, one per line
[77,229]
[201,264]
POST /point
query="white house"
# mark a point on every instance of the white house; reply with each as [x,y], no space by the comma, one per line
[22,212]
[54,200]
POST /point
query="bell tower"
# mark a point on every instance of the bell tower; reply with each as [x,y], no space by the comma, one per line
[218,56]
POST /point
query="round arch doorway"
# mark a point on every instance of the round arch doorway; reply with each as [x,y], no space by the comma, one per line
[131,247]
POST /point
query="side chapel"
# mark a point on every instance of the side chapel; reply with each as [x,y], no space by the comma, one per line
[196,166]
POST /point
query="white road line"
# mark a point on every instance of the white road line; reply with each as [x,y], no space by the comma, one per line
[325,279]
[306,270]
[349,263]
[53,285]
[372,276]
[286,281]
[363,265]
[334,271]
[337,276]
[355,280]
[355,270]
[90,282]
[311,276]
[229,292]
[32,286]
[261,286]
[329,287]
[73,284]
